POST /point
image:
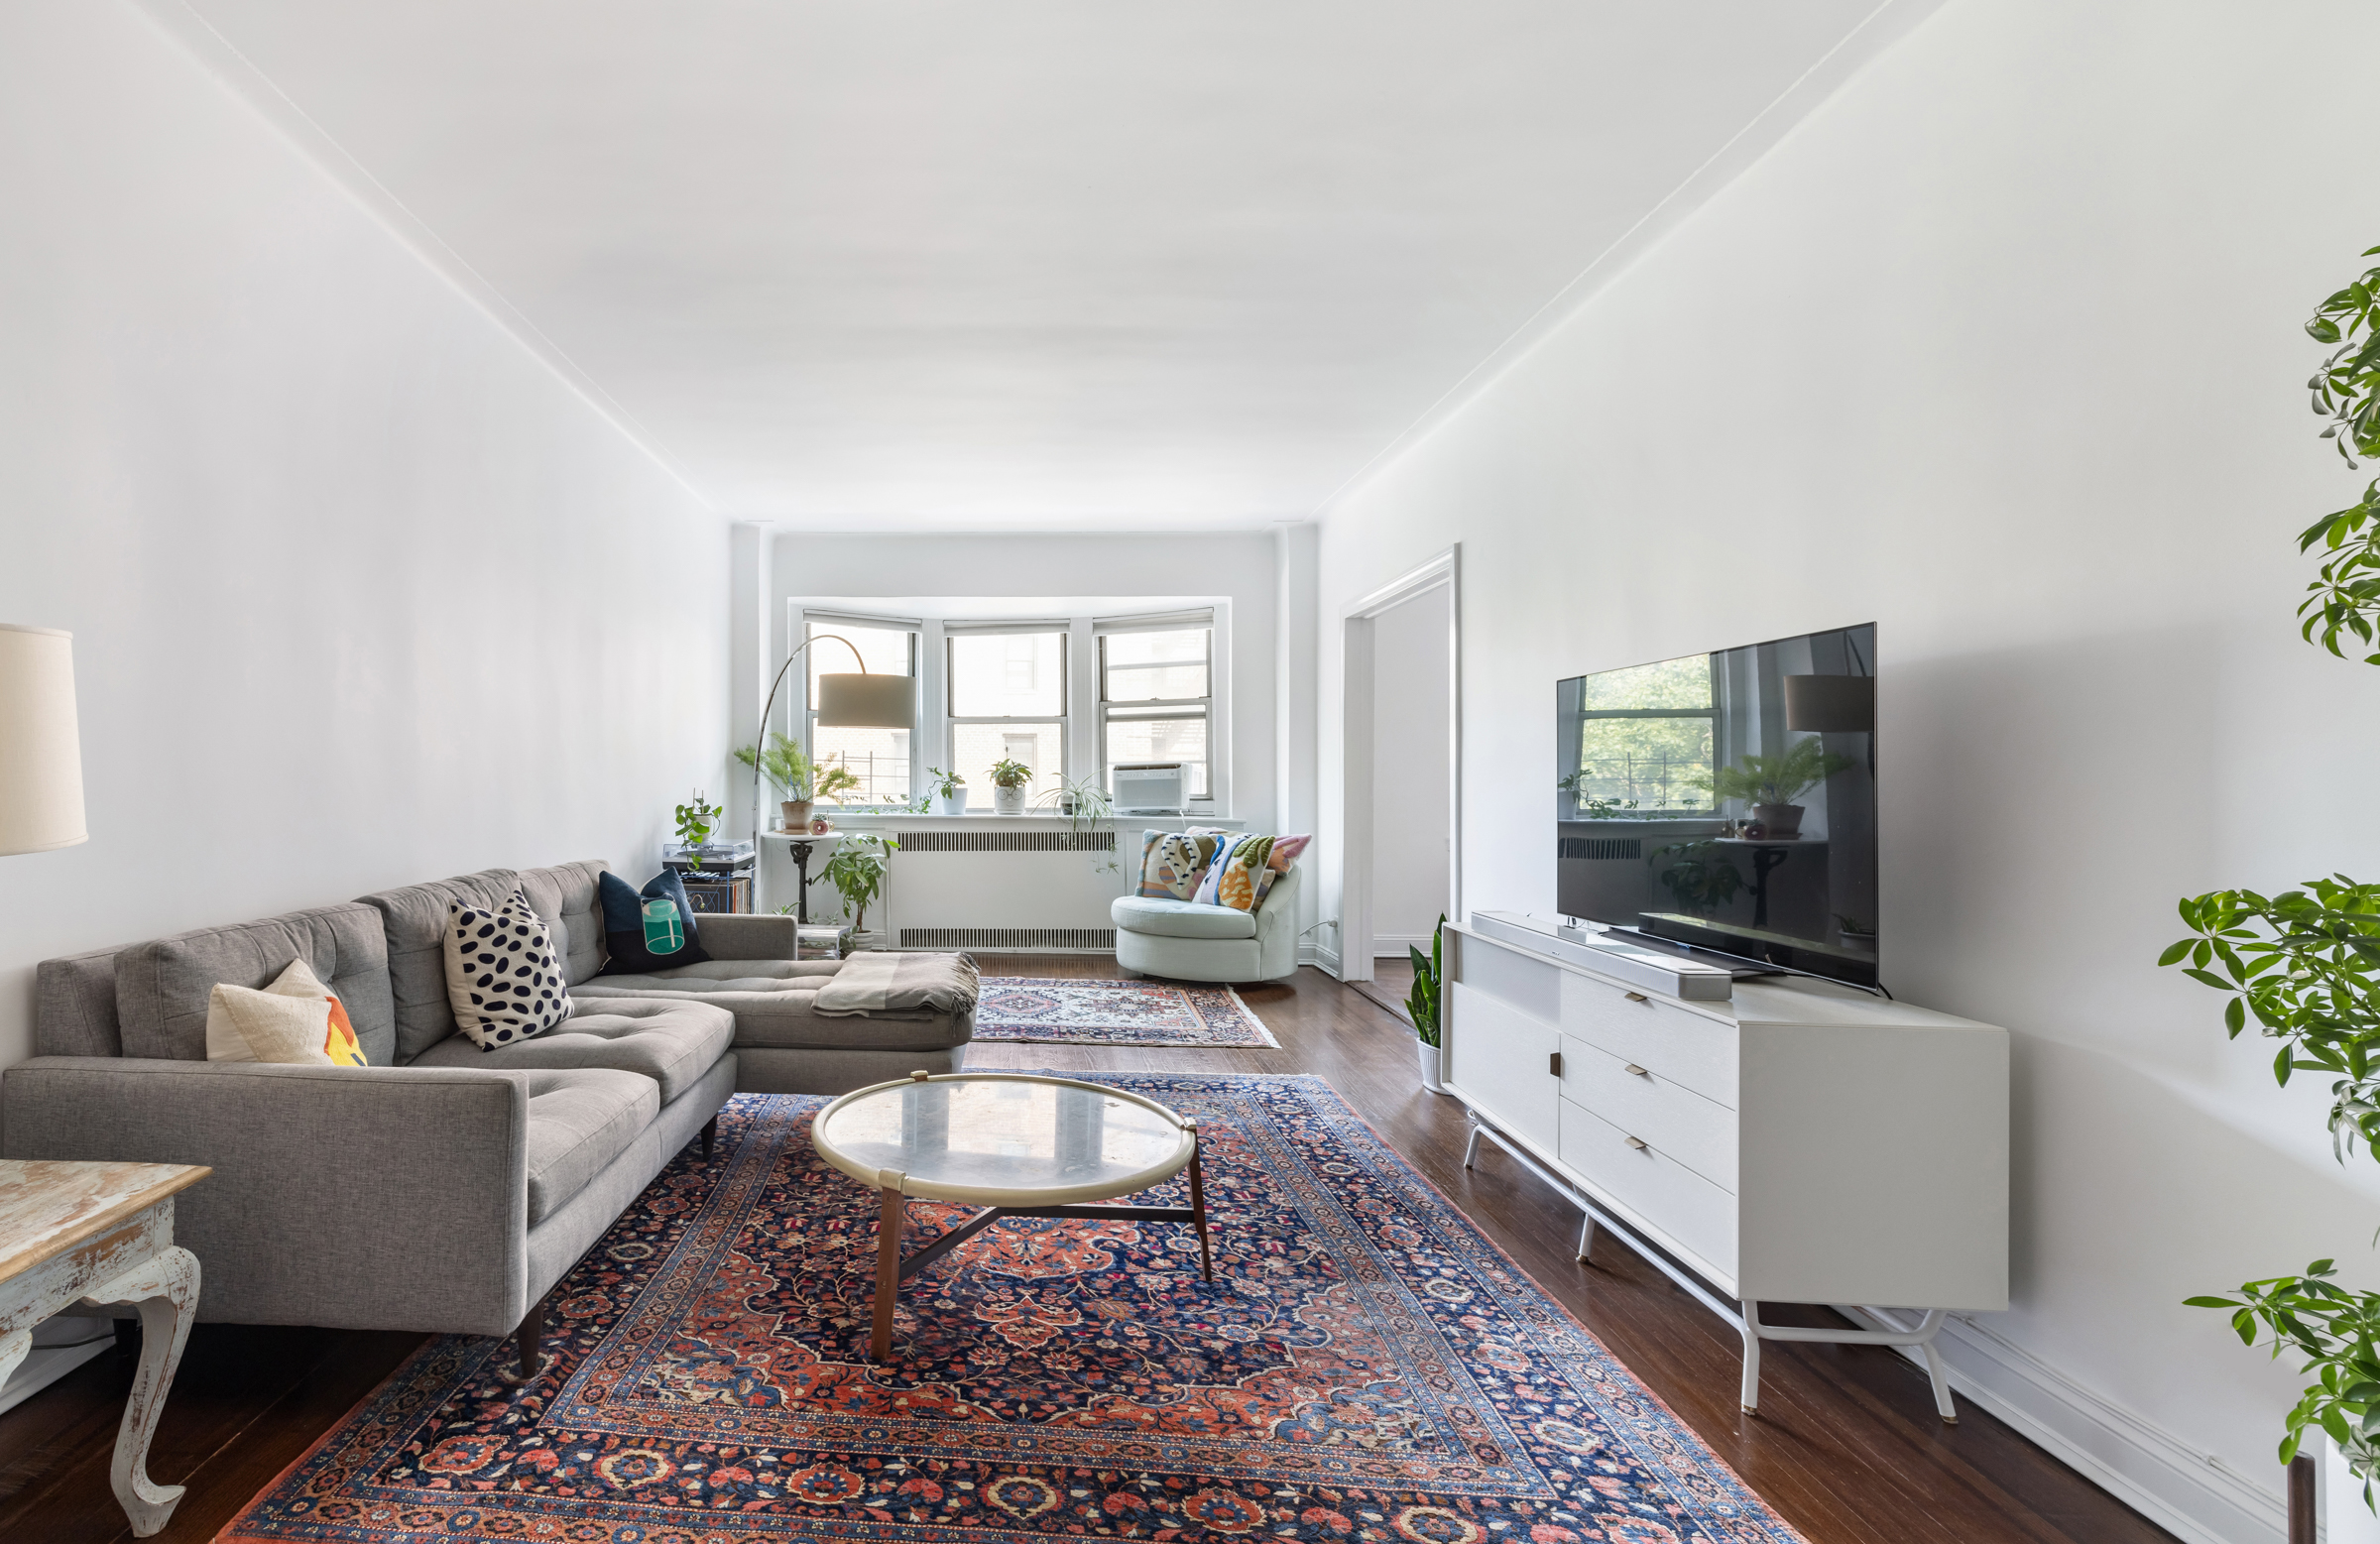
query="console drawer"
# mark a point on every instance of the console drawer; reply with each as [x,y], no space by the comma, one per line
[1677,1046]
[1696,1131]
[1665,1193]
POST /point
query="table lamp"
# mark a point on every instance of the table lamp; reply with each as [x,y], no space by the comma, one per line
[41,757]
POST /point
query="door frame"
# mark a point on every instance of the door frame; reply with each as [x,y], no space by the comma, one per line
[1355,803]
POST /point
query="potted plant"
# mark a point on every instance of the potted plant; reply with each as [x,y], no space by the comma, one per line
[784,763]
[949,790]
[1771,784]
[2304,965]
[1086,808]
[836,781]
[1009,779]
[1423,1004]
[695,823]
[857,872]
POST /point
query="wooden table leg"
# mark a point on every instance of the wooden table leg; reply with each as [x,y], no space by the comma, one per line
[165,1288]
[888,1273]
[1198,1204]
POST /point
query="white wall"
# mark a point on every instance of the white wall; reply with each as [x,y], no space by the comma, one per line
[1409,771]
[362,592]
[1237,564]
[2001,349]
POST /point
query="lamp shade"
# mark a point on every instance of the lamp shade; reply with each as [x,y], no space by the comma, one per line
[1823,704]
[40,754]
[867,701]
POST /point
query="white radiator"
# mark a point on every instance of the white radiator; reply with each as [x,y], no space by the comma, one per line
[1005,891]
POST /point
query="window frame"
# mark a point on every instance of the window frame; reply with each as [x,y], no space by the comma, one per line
[1063,721]
[803,620]
[1110,709]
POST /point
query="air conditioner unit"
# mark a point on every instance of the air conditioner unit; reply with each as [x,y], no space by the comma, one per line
[1152,789]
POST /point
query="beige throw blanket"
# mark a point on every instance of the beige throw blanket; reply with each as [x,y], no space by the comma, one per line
[882,981]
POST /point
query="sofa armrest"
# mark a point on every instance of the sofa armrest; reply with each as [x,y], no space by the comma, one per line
[391,1198]
[742,935]
[1277,928]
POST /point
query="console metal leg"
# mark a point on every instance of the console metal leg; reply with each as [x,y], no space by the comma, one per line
[1586,1233]
[1752,1358]
[1471,1148]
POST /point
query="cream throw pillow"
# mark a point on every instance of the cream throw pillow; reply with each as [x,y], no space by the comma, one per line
[294,1021]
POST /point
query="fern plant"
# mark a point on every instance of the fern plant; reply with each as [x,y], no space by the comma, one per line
[784,762]
[1774,780]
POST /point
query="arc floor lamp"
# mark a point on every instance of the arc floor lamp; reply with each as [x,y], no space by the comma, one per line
[41,756]
[845,701]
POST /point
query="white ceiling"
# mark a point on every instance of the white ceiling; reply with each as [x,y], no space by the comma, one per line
[1046,264]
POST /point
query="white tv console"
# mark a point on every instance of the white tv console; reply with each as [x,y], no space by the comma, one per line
[1798,1142]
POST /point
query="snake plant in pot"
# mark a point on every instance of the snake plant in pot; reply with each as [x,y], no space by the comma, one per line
[1423,1004]
[2304,966]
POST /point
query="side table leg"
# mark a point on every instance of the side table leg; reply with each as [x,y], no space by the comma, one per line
[165,1288]
[888,1273]
[1198,1204]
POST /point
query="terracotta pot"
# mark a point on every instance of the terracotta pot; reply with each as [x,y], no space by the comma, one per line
[1781,822]
[797,813]
[1429,1068]
[1009,801]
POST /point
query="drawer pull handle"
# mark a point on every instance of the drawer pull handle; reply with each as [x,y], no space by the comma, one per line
[1636,1142]
[1637,997]
[1553,1064]
[1639,1071]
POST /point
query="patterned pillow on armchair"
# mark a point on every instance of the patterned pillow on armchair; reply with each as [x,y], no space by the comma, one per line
[1172,864]
[1239,877]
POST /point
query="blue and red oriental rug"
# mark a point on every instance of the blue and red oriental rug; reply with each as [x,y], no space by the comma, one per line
[1365,1367]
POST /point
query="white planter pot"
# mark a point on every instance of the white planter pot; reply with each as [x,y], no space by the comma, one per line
[1429,1068]
[951,803]
[853,943]
[1009,801]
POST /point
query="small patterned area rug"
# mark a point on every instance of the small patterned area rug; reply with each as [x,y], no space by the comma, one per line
[1365,1367]
[1035,1011]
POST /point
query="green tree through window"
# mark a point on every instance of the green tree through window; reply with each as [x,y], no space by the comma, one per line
[1643,734]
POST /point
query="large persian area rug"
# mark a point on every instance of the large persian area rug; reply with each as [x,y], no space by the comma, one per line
[1364,1366]
[1035,1011]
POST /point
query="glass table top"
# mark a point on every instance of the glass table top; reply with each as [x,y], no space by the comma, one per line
[1002,1140]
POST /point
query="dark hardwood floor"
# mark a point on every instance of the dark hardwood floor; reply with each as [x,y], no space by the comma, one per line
[1847,1445]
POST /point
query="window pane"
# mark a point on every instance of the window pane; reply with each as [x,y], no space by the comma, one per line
[1644,760]
[1673,683]
[1155,683]
[1153,666]
[879,756]
[975,747]
[885,649]
[1007,675]
[1170,738]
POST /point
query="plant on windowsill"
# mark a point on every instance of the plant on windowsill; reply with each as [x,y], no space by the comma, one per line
[1009,779]
[1088,811]
[2305,963]
[1423,1004]
[784,763]
[857,872]
[837,782]
[948,790]
[1771,784]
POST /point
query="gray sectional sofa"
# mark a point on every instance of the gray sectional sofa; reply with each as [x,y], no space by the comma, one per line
[443,1187]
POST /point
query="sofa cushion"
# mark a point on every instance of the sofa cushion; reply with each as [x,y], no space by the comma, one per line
[580,1120]
[672,1043]
[651,929]
[415,921]
[564,896]
[296,1021]
[1182,918]
[502,975]
[771,1000]
[162,987]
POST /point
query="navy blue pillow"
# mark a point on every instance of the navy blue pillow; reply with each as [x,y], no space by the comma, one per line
[649,931]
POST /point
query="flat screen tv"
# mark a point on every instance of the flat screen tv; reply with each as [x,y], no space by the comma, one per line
[1726,802]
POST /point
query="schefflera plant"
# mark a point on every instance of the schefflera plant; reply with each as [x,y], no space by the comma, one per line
[2305,965]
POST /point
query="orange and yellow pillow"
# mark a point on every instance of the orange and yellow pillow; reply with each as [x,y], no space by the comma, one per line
[296,1021]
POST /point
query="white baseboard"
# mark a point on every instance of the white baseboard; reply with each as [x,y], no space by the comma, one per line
[2192,1494]
[1327,958]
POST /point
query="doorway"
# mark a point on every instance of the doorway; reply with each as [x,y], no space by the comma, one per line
[1403,765]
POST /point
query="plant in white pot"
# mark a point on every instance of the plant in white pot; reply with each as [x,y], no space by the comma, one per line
[1009,781]
[784,763]
[1771,784]
[1423,1004]
[949,791]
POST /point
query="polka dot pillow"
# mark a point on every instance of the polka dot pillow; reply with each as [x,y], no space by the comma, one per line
[502,978]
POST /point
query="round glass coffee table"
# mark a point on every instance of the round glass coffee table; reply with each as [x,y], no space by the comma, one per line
[1015,1144]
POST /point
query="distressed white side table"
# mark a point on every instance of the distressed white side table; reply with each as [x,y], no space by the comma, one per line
[101,1235]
